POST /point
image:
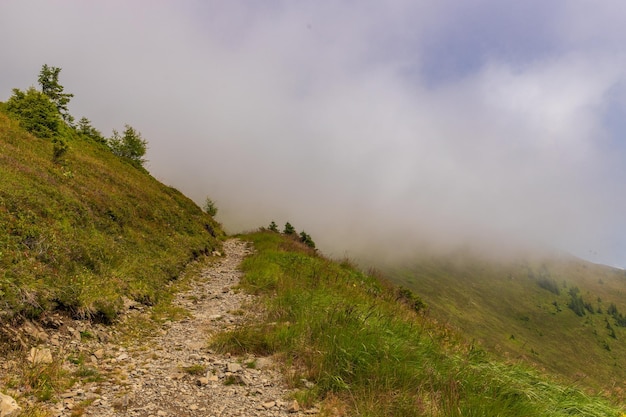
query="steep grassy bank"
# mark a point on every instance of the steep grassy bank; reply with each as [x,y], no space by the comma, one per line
[81,233]
[370,353]
[561,313]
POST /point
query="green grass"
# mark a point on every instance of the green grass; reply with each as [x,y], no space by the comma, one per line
[504,308]
[346,332]
[79,235]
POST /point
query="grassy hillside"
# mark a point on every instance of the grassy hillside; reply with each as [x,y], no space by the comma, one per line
[561,313]
[81,232]
[360,346]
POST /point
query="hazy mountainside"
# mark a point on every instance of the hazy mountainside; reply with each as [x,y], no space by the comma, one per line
[78,233]
[562,313]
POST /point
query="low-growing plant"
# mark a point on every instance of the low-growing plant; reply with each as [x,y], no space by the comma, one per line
[59,149]
[194,369]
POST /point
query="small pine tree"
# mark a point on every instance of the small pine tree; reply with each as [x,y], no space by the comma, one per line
[273,227]
[610,329]
[209,207]
[49,81]
[306,239]
[130,145]
[289,229]
[576,303]
[85,129]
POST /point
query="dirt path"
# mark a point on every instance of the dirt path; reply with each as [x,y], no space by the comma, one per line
[175,374]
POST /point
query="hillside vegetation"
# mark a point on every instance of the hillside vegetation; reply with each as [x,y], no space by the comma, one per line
[561,313]
[81,230]
[369,350]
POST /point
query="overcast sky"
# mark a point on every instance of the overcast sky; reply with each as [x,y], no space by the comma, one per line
[369,124]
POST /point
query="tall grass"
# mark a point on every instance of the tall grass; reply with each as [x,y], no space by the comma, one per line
[346,332]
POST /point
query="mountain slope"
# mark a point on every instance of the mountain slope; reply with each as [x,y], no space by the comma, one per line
[561,313]
[359,345]
[81,233]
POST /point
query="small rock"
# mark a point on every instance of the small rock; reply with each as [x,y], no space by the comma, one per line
[122,357]
[202,381]
[176,376]
[234,367]
[69,403]
[123,402]
[269,404]
[262,363]
[40,355]
[307,384]
[8,406]
[75,334]
[294,407]
[68,394]
[99,354]
[129,304]
[241,380]
[313,410]
[43,336]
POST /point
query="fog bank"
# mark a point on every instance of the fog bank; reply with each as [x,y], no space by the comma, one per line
[377,129]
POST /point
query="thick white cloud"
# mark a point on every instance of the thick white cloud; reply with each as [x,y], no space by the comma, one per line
[332,115]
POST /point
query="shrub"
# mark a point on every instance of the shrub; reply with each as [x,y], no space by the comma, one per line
[406,296]
[35,112]
[59,149]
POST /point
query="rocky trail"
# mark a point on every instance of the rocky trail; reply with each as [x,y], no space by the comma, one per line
[174,372]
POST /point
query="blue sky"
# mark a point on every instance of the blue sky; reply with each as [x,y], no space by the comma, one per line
[378,127]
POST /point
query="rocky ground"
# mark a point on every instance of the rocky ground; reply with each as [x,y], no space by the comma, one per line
[174,372]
